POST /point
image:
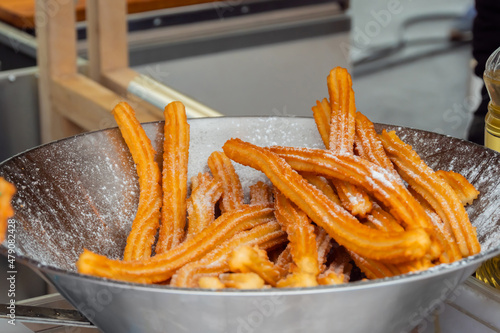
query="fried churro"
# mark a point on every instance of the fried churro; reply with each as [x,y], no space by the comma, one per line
[342,119]
[382,184]
[341,140]
[260,194]
[162,266]
[339,270]
[441,197]
[7,191]
[465,191]
[205,193]
[265,236]
[368,144]
[242,280]
[146,221]
[210,282]
[174,180]
[302,238]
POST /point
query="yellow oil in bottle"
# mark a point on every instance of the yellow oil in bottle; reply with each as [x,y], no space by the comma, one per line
[489,271]
[492,129]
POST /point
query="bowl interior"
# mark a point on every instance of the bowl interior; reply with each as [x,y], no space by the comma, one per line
[82,192]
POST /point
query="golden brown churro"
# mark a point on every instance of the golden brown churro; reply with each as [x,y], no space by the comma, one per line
[341,140]
[342,124]
[322,184]
[368,144]
[174,180]
[146,221]
[211,282]
[7,191]
[300,234]
[205,193]
[246,259]
[324,244]
[380,183]
[322,113]
[242,280]
[332,210]
[260,194]
[342,226]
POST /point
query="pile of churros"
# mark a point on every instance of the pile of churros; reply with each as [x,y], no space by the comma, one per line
[366,203]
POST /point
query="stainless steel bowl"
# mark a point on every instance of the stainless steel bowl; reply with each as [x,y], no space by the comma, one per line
[82,192]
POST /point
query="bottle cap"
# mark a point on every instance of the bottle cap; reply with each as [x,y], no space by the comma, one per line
[492,77]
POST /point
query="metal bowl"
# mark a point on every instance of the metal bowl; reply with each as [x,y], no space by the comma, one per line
[82,192]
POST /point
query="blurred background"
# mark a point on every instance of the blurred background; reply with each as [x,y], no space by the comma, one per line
[411,62]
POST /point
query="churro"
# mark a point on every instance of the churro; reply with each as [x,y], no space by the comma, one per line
[260,194]
[465,191]
[7,191]
[323,244]
[377,181]
[205,192]
[210,282]
[222,169]
[341,140]
[247,259]
[242,280]
[322,115]
[368,144]
[343,108]
[265,236]
[146,221]
[300,233]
